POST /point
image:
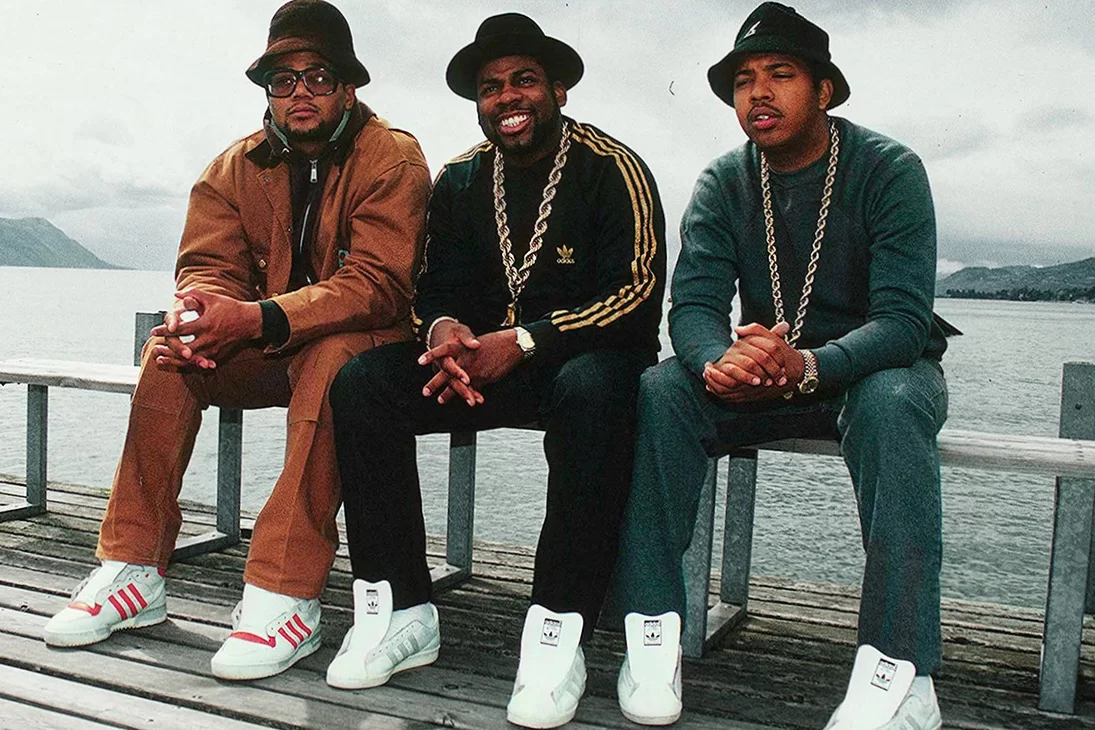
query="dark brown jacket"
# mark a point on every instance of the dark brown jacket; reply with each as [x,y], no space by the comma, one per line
[237,239]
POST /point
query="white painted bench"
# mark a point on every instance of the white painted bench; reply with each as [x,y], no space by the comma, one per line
[1071,458]
[40,375]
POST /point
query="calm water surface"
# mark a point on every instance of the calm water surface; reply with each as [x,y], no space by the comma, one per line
[1004,375]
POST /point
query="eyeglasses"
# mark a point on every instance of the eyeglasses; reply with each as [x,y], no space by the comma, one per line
[282,82]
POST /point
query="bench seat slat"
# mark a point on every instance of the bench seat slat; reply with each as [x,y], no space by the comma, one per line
[70,374]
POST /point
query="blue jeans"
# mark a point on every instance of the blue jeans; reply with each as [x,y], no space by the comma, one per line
[887,425]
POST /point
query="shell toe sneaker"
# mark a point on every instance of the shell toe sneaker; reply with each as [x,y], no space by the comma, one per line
[383,641]
[649,685]
[886,694]
[114,597]
[551,676]
[271,633]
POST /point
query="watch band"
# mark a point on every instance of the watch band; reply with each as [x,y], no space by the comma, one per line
[809,381]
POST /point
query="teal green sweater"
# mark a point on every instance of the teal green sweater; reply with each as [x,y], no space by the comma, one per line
[871,306]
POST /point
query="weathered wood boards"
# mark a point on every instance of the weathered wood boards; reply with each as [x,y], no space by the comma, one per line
[784,668]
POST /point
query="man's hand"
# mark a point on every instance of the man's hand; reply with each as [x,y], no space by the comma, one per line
[760,365]
[449,342]
[222,325]
[465,363]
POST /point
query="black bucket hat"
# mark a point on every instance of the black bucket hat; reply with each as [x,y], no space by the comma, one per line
[512,34]
[775,28]
[311,25]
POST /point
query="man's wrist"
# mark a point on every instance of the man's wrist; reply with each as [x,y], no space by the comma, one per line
[433,326]
[809,382]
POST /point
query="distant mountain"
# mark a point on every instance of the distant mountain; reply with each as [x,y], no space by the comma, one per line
[37,242]
[1064,282]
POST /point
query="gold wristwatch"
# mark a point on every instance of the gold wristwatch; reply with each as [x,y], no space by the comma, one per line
[525,342]
[809,381]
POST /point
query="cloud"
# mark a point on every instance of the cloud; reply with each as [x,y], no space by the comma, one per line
[1053,118]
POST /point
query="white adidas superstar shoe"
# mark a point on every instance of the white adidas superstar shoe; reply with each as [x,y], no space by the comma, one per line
[114,597]
[271,633]
[885,694]
[551,676]
[383,641]
[649,685]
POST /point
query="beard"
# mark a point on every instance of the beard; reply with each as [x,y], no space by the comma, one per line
[533,145]
[320,132]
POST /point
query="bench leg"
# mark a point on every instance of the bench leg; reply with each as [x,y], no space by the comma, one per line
[697,568]
[229,470]
[37,436]
[1071,554]
[461,519]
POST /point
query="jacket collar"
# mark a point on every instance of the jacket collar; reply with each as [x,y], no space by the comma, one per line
[273,148]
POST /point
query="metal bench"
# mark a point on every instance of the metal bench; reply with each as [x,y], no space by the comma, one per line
[1071,458]
[40,375]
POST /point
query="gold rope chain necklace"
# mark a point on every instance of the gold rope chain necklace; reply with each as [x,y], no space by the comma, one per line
[770,232]
[515,277]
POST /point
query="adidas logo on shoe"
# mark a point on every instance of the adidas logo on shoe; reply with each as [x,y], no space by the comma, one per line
[885,694]
[649,685]
[271,633]
[383,641]
[551,676]
[114,597]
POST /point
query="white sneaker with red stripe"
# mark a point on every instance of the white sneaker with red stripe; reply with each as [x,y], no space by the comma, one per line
[271,633]
[115,596]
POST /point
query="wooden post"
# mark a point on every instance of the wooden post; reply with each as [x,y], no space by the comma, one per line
[1071,553]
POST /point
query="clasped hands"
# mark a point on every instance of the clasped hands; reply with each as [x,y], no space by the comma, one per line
[465,363]
[222,325]
[759,366]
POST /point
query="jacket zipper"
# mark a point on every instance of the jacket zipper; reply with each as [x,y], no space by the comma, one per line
[304,223]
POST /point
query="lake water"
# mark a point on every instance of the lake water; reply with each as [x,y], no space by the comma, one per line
[1004,375]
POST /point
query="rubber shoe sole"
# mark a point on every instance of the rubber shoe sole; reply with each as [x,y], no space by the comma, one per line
[649,720]
[414,661]
[266,669]
[147,617]
[541,723]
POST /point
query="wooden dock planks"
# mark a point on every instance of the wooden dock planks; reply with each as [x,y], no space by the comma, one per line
[785,668]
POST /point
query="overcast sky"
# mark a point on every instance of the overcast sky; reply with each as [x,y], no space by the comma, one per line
[111,108]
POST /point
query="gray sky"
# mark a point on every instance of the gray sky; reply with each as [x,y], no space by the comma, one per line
[113,107]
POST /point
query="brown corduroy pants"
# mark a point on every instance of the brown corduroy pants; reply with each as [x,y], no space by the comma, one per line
[295,536]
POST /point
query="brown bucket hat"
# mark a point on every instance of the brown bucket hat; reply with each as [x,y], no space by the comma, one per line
[311,25]
[512,34]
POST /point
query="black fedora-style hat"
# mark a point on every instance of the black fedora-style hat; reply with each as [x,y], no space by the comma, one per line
[775,28]
[512,34]
[311,25]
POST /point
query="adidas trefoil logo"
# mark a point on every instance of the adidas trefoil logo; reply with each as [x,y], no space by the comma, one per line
[566,255]
[752,31]
[372,602]
[652,632]
[549,634]
[883,674]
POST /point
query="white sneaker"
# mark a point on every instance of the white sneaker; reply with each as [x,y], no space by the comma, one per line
[271,633]
[115,596]
[551,676]
[886,694]
[649,686]
[382,641]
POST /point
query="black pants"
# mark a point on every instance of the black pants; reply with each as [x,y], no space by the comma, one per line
[586,406]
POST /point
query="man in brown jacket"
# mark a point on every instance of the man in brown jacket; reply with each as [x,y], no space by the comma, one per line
[297,254]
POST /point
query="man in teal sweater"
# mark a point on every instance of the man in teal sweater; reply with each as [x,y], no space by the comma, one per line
[827,232]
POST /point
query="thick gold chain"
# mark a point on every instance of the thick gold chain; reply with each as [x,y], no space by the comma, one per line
[515,277]
[815,253]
